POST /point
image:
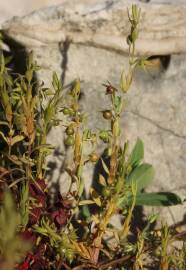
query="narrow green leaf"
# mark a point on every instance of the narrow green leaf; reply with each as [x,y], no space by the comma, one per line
[105,166]
[102,180]
[3,136]
[24,205]
[55,81]
[137,154]
[142,175]
[77,89]
[125,200]
[25,160]
[85,211]
[14,159]
[123,82]
[117,103]
[3,123]
[16,139]
[85,202]
[95,196]
[81,187]
[158,199]
[44,147]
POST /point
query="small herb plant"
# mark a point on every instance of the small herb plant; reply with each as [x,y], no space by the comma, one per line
[40,232]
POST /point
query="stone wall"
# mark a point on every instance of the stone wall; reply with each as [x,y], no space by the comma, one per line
[86,39]
[12,8]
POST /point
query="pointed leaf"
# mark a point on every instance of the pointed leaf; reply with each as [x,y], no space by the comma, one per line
[95,219]
[105,166]
[77,89]
[3,136]
[4,123]
[86,202]
[85,211]
[102,180]
[55,81]
[142,175]
[125,200]
[24,211]
[137,154]
[158,199]
[13,158]
[95,196]
[16,139]
[81,187]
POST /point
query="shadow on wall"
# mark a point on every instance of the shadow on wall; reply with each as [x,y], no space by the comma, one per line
[19,54]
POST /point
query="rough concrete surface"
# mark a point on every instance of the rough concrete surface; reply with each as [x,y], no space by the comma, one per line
[12,8]
[156,103]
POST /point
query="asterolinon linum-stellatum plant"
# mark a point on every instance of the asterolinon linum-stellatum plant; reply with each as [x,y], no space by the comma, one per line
[66,232]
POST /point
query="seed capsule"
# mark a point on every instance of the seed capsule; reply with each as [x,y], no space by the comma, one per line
[129,39]
[69,141]
[56,122]
[69,130]
[93,157]
[109,90]
[107,114]
[72,112]
[104,136]
[66,111]
[106,192]
[70,256]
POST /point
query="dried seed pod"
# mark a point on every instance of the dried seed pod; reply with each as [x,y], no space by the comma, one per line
[107,114]
[93,157]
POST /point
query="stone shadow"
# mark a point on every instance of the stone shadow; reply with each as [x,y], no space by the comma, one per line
[19,54]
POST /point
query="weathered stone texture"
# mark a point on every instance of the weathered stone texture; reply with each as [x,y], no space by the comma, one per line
[103,24]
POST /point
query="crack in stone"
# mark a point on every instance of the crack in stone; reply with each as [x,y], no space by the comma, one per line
[157,125]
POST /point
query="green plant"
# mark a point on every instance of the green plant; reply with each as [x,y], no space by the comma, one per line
[28,112]
[12,247]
